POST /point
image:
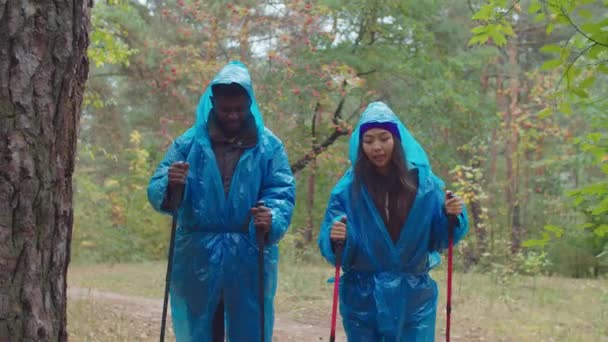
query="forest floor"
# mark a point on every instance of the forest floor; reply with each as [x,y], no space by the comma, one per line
[123,302]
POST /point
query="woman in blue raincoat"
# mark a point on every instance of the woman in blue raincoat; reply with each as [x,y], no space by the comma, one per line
[396,223]
[228,161]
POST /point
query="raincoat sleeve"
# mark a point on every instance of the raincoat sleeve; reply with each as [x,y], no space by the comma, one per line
[278,194]
[335,211]
[439,225]
[157,189]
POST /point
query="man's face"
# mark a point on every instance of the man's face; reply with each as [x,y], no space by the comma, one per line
[231,111]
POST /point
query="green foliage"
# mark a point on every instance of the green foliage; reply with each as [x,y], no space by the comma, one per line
[549,232]
[578,50]
[533,263]
[592,199]
[576,255]
[113,220]
[581,57]
[107,46]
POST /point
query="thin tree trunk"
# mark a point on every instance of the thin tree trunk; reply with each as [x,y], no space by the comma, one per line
[479,217]
[511,150]
[244,40]
[310,204]
[307,233]
[540,171]
[213,42]
[485,81]
[502,103]
[474,252]
[43,68]
[493,156]
[480,228]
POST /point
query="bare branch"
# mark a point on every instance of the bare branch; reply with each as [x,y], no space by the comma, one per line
[329,140]
[108,74]
[365,73]
[318,149]
[313,130]
[338,112]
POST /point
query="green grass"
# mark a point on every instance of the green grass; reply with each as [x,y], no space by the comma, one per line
[94,320]
[485,307]
[141,279]
[528,308]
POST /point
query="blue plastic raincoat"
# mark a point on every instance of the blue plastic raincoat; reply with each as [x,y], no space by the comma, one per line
[215,245]
[386,293]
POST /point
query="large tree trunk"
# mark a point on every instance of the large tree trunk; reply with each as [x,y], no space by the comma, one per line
[43,68]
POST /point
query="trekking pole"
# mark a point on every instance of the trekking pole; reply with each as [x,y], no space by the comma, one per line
[339,247]
[448,308]
[259,236]
[175,199]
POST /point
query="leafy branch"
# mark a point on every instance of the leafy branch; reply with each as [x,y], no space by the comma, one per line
[581,31]
[571,64]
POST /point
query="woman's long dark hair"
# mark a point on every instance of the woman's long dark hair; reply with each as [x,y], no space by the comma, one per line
[398,177]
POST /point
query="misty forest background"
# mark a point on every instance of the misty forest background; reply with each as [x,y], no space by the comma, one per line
[507,97]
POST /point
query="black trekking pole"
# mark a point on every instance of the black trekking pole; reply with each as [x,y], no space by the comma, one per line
[174,200]
[448,308]
[259,236]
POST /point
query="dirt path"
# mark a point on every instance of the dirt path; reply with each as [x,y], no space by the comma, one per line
[285,328]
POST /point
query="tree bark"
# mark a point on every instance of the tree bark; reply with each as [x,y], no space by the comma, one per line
[43,69]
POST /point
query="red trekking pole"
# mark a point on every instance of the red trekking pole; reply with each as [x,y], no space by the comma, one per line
[448,308]
[339,247]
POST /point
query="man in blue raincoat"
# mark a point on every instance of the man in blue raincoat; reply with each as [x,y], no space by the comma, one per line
[228,162]
[396,223]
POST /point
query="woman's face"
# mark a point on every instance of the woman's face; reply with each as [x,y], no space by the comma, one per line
[378,147]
